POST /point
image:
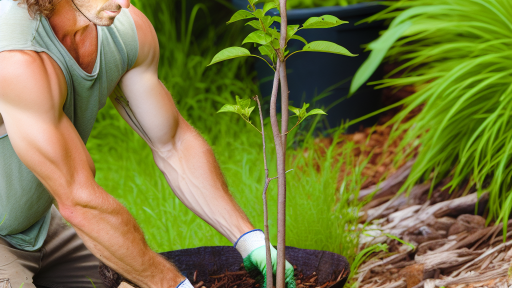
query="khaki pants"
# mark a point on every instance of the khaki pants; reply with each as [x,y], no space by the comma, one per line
[63,261]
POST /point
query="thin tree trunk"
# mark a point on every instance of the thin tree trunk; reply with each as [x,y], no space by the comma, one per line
[284,104]
[270,280]
[280,150]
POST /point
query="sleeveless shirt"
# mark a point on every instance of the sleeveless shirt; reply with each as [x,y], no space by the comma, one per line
[24,201]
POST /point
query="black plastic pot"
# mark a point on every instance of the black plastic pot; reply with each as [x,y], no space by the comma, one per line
[310,74]
[211,261]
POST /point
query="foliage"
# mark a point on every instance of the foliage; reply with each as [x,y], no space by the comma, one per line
[268,37]
[294,4]
[457,53]
[125,166]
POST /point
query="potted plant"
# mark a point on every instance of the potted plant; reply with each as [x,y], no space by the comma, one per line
[328,75]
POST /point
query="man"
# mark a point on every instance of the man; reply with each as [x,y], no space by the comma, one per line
[59,61]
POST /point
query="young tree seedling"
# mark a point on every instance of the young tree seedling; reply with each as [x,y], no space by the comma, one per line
[273,44]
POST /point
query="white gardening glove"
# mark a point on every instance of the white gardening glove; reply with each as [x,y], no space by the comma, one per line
[185,284]
[251,246]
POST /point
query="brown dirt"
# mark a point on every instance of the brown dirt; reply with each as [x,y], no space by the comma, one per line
[241,279]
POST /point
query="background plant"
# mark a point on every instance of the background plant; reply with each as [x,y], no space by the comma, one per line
[457,53]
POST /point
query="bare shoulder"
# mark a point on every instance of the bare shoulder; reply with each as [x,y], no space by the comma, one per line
[149,51]
[31,80]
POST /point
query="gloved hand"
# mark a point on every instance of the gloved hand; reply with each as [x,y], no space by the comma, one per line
[185,284]
[251,246]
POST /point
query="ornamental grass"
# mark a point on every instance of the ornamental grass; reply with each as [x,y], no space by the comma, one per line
[458,54]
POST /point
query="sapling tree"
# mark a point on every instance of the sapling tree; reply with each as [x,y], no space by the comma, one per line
[273,44]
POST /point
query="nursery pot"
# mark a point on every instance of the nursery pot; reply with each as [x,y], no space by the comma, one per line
[212,261]
[310,73]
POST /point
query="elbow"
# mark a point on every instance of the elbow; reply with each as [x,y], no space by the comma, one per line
[79,201]
[175,139]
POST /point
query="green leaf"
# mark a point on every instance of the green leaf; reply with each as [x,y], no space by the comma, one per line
[243,103]
[247,112]
[240,15]
[327,47]
[380,48]
[275,43]
[257,37]
[302,114]
[292,29]
[230,53]
[228,108]
[276,19]
[316,111]
[297,37]
[258,13]
[255,23]
[294,110]
[268,6]
[242,108]
[267,21]
[326,21]
[268,51]
[274,33]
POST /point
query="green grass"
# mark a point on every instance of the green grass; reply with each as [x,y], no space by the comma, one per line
[457,52]
[319,215]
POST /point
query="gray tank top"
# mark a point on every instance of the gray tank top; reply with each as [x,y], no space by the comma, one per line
[24,201]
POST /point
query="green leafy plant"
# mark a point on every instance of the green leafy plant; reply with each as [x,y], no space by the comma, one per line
[457,54]
[273,45]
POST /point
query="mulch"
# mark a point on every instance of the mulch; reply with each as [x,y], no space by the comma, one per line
[242,279]
[452,245]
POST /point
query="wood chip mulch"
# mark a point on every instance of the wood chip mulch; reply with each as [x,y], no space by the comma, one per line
[453,247]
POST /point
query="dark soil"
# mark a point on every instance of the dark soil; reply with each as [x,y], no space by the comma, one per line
[238,279]
[241,279]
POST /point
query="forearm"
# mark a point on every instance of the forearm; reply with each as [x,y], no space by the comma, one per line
[112,235]
[193,173]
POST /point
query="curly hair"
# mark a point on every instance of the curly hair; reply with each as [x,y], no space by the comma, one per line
[43,7]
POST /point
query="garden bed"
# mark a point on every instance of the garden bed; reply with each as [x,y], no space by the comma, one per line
[221,267]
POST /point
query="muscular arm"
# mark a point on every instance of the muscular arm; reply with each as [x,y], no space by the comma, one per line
[179,151]
[49,145]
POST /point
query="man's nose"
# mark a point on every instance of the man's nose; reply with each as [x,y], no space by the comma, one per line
[123,3]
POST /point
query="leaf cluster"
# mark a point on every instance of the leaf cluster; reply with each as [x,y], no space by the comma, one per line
[267,37]
[244,109]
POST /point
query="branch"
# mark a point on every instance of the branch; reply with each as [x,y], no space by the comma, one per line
[270,279]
